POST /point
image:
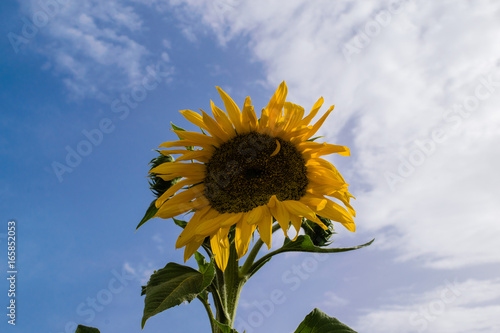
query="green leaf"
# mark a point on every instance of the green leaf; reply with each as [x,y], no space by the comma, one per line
[86,329]
[305,244]
[173,285]
[319,322]
[202,263]
[149,214]
[180,223]
[225,328]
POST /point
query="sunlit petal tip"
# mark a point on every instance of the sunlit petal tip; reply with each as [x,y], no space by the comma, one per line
[232,109]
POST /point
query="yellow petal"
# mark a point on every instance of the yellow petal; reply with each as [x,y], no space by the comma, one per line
[313,112]
[199,155]
[191,248]
[171,191]
[342,197]
[173,151]
[295,136]
[214,128]
[170,167]
[265,225]
[168,212]
[318,124]
[180,203]
[297,223]
[293,116]
[199,216]
[187,143]
[249,118]
[232,109]
[256,214]
[194,117]
[316,203]
[243,235]
[275,106]
[220,248]
[280,213]
[196,137]
[223,120]
[335,212]
[220,221]
[277,150]
[298,208]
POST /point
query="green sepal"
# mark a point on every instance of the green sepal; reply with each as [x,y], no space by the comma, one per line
[86,329]
[180,223]
[177,128]
[149,214]
[319,322]
[225,328]
[173,285]
[315,138]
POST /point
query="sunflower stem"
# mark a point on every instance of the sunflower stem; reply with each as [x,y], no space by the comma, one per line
[220,296]
[233,285]
[213,325]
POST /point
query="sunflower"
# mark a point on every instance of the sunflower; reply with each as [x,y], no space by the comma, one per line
[249,173]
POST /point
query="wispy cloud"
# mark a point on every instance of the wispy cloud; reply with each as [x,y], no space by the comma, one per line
[92,45]
[398,92]
[469,306]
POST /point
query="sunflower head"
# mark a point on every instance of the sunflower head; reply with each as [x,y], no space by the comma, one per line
[247,173]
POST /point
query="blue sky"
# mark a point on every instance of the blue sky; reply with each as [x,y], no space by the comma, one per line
[416,87]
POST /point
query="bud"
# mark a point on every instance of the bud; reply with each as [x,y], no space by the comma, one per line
[157,185]
[318,235]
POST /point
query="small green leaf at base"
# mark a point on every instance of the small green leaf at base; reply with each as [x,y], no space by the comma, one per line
[149,214]
[86,329]
[319,322]
[180,223]
[173,285]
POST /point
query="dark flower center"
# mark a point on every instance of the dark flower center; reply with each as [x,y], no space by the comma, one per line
[244,172]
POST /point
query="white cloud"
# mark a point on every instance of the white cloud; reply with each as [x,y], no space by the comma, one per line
[407,71]
[91,45]
[332,302]
[470,306]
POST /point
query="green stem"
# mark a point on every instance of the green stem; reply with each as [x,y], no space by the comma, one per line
[220,296]
[233,284]
[227,285]
[213,325]
[246,268]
